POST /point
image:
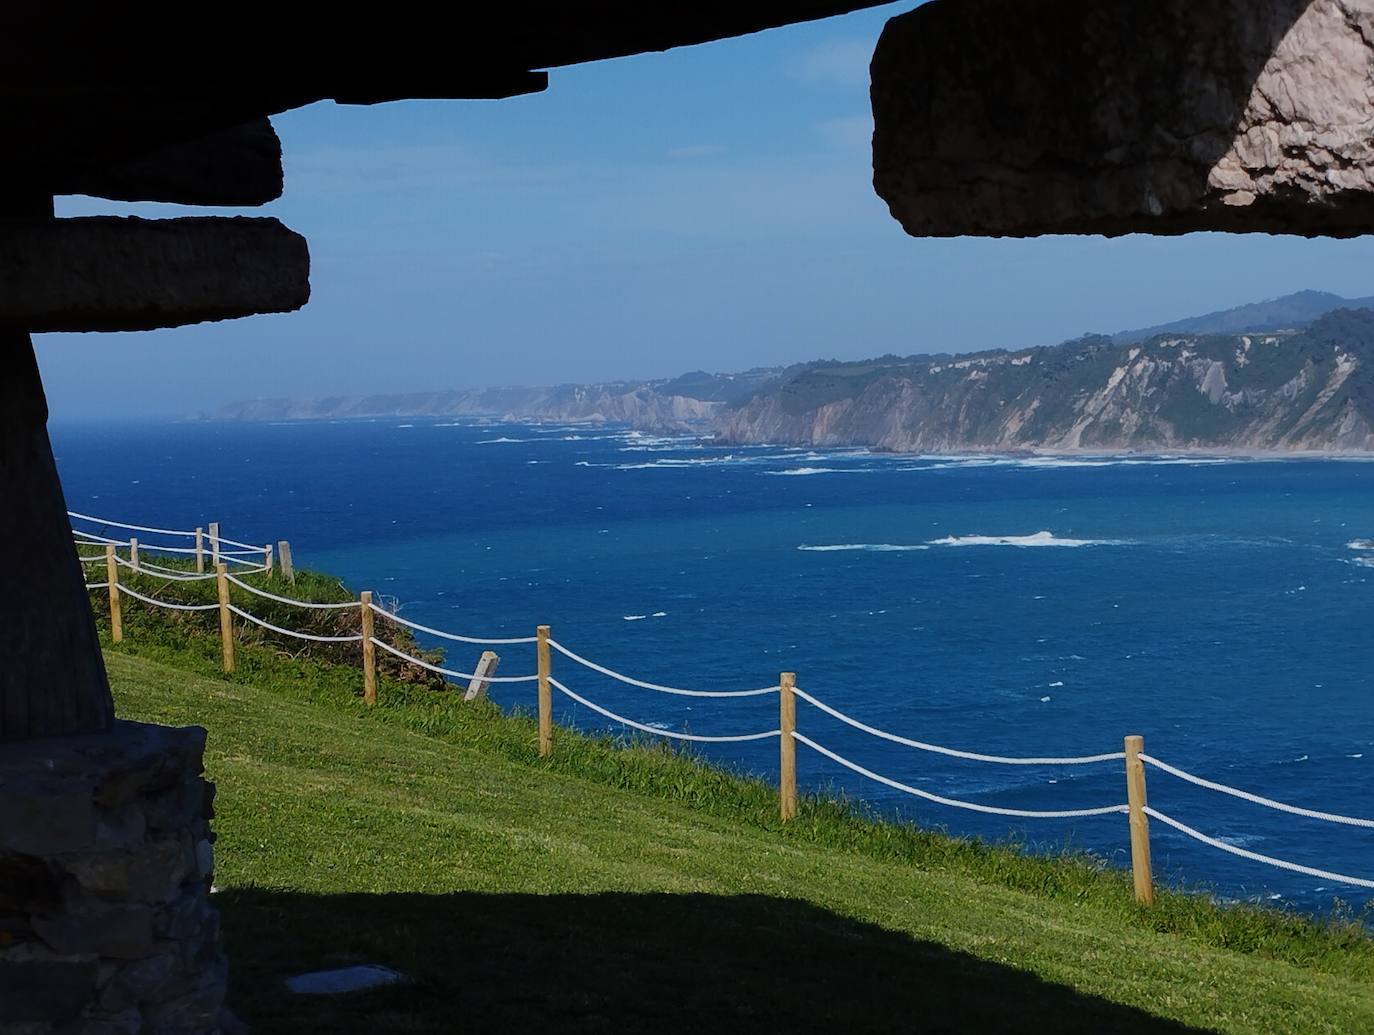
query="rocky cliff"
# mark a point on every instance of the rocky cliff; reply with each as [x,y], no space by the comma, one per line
[1304,390]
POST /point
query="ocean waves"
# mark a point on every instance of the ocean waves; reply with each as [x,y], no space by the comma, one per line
[775,461]
[868,547]
[1035,539]
[1032,540]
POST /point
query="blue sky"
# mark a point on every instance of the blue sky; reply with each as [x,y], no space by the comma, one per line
[710,207]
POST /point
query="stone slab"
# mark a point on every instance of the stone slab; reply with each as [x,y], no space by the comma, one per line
[110,273]
[344,979]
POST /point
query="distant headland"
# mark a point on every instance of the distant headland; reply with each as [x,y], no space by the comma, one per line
[1292,374]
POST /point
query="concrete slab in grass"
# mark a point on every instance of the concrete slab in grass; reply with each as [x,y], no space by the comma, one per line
[345,979]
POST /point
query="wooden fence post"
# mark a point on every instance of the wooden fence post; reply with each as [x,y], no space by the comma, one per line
[481,675]
[267,560]
[214,543]
[133,554]
[284,561]
[787,747]
[545,696]
[226,623]
[369,650]
[1139,822]
[112,577]
[200,550]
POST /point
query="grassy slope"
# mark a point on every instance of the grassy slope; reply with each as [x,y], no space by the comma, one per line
[623,890]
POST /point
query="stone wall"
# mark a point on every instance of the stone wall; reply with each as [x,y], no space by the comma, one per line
[106,925]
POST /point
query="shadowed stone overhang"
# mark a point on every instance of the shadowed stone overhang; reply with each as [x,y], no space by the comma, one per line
[132,105]
[77,93]
[1002,117]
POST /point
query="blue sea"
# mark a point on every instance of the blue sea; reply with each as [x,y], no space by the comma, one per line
[1221,608]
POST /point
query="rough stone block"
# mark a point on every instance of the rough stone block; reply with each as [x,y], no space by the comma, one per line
[28,883]
[118,932]
[52,991]
[45,819]
[125,1022]
[999,117]
[151,872]
[198,1009]
[98,936]
[152,978]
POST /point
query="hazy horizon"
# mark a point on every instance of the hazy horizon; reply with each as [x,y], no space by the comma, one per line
[706,208]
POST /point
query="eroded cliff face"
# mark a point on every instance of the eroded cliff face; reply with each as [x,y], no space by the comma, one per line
[1312,390]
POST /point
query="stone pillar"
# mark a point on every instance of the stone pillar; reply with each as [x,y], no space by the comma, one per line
[106,926]
[52,677]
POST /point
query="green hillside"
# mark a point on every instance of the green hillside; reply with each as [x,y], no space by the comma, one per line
[617,887]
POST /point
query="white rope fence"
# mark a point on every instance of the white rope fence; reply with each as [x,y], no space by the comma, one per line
[248,616]
[246,547]
[1134,757]
[132,528]
[1268,803]
[1111,756]
[658,731]
[91,537]
[484,640]
[554,644]
[249,558]
[955,802]
[1244,853]
[289,600]
[165,603]
[157,571]
[447,671]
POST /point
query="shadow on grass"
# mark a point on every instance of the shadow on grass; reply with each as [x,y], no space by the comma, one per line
[627,962]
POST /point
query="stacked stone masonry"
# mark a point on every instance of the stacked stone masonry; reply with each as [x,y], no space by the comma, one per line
[106,926]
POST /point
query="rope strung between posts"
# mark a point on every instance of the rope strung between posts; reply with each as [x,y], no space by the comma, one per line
[1283,864]
[171,573]
[164,603]
[955,802]
[249,616]
[447,671]
[656,686]
[133,528]
[155,548]
[157,571]
[247,547]
[448,635]
[93,538]
[246,567]
[97,585]
[654,729]
[1269,803]
[1111,756]
[289,600]
[91,558]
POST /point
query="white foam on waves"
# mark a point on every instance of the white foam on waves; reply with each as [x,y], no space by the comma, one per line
[1035,539]
[873,547]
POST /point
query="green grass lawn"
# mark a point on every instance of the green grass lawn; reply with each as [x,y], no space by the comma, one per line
[629,889]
